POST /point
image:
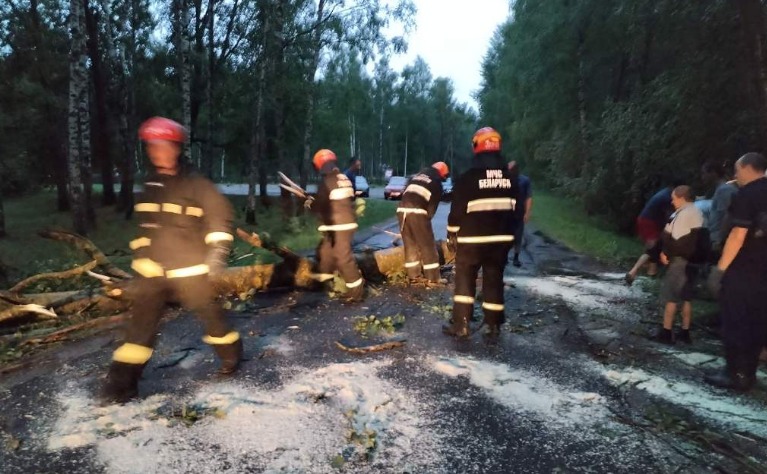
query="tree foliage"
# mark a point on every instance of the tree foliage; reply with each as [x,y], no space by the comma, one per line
[257,82]
[607,99]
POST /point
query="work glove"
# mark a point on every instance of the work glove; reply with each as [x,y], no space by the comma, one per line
[218,256]
[359,207]
[714,282]
[452,242]
[308,202]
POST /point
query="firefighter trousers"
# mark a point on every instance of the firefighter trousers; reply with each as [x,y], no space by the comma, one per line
[420,249]
[744,321]
[335,253]
[491,258]
[196,294]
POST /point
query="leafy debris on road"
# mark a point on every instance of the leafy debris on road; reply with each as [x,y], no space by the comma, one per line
[369,326]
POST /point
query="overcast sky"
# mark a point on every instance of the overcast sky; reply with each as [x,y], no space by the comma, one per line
[453,36]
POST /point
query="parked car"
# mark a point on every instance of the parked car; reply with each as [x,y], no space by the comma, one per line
[395,187]
[447,190]
[363,188]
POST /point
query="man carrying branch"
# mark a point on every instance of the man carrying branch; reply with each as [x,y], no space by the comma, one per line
[184,237]
[338,222]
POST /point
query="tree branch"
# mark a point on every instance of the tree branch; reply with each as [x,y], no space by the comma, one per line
[86,246]
[54,276]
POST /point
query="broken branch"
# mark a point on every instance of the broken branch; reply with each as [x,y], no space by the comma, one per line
[60,334]
[23,310]
[86,246]
[384,346]
[54,276]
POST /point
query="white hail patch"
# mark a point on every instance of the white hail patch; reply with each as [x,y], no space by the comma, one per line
[583,293]
[523,391]
[302,426]
[724,409]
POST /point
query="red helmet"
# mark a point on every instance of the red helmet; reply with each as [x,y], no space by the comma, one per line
[161,128]
[441,168]
[486,139]
[322,157]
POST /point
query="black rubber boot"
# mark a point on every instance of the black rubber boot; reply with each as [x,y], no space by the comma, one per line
[733,380]
[230,355]
[492,334]
[459,328]
[354,295]
[684,336]
[121,385]
[516,261]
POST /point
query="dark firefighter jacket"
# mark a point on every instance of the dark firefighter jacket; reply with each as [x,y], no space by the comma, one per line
[484,199]
[422,193]
[333,202]
[180,217]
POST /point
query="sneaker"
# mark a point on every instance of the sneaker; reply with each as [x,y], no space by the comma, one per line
[684,336]
[629,278]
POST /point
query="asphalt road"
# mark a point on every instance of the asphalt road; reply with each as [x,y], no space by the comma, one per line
[571,386]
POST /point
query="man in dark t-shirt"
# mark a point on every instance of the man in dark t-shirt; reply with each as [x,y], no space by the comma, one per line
[523,208]
[742,271]
[649,225]
[352,172]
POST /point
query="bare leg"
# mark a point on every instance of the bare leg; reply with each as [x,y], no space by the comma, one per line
[652,269]
[686,314]
[632,274]
[668,315]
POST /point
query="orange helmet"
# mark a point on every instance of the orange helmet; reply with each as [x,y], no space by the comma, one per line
[161,128]
[486,139]
[322,157]
[441,168]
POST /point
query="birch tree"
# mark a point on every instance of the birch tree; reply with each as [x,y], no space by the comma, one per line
[78,105]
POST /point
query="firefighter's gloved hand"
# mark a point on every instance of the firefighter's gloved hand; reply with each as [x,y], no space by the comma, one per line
[452,241]
[308,203]
[714,282]
[218,256]
[359,207]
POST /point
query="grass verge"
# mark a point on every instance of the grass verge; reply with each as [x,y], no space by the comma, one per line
[564,219]
[24,253]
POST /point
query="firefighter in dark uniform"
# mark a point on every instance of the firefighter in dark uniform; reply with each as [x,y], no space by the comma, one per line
[185,233]
[481,227]
[334,207]
[419,203]
[741,271]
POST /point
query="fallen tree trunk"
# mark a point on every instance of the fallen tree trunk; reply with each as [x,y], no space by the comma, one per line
[294,271]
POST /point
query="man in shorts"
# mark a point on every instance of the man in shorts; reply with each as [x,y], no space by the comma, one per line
[679,244]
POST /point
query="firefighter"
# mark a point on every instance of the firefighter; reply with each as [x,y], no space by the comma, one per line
[419,203]
[481,228]
[184,236]
[334,207]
